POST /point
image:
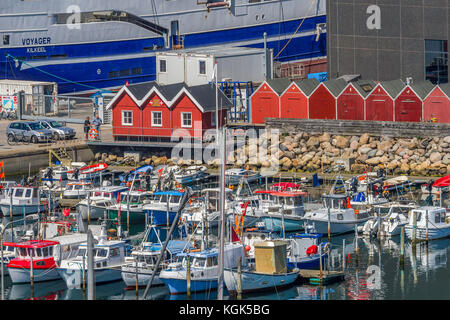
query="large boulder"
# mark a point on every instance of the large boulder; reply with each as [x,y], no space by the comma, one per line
[342,142]
[324,137]
[313,142]
[435,157]
[364,138]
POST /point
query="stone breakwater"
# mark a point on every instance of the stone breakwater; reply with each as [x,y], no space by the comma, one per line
[303,152]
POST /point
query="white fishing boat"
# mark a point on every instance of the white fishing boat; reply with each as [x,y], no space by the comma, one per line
[108,259]
[141,264]
[4,187]
[87,172]
[431,223]
[77,190]
[235,175]
[190,174]
[342,217]
[100,199]
[59,172]
[388,224]
[25,200]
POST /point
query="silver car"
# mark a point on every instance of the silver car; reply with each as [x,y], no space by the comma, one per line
[32,131]
[58,129]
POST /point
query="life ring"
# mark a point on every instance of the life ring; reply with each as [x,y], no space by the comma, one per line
[386,193]
[93,134]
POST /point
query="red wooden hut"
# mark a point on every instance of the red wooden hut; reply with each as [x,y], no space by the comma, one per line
[380,101]
[148,110]
[294,100]
[437,104]
[322,101]
[351,101]
[409,103]
[265,101]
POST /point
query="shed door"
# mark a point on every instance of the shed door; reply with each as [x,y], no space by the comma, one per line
[377,110]
[408,110]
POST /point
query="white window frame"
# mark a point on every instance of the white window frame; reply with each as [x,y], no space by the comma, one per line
[123,113]
[199,68]
[182,120]
[153,118]
[159,67]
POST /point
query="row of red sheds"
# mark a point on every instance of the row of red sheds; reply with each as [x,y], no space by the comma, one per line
[351,100]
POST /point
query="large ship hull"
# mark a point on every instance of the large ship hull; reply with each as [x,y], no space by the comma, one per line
[81,60]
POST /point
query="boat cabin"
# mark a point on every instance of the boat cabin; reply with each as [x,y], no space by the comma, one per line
[299,244]
[42,252]
[335,201]
[110,254]
[22,195]
[436,216]
[213,195]
[135,198]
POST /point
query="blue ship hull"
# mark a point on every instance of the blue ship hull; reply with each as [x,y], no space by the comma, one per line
[87,67]
[308,264]
[275,224]
[159,217]
[178,286]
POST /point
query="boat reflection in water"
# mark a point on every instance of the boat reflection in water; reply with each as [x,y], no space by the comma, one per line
[49,290]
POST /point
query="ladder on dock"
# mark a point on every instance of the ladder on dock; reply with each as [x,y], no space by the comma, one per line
[60,152]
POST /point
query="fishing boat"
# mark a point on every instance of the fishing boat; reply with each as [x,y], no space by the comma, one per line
[305,252]
[130,206]
[140,266]
[207,208]
[163,207]
[25,200]
[431,223]
[284,212]
[44,265]
[342,217]
[250,236]
[77,190]
[87,172]
[441,184]
[9,252]
[100,199]
[263,275]
[388,224]
[60,172]
[109,255]
[203,269]
[364,182]
[235,175]
[4,187]
[136,174]
[191,174]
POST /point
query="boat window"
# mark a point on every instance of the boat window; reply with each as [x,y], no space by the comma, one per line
[50,251]
[104,263]
[298,201]
[23,252]
[28,193]
[340,216]
[81,252]
[115,252]
[157,197]
[174,199]
[212,261]
[107,195]
[45,251]
[101,252]
[443,216]
[78,187]
[38,252]
[419,215]
[199,262]
[163,198]
[31,252]
[289,201]
[18,193]
[97,194]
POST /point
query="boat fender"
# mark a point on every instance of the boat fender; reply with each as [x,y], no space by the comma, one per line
[311,250]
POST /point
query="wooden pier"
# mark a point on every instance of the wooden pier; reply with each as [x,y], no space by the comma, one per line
[315,277]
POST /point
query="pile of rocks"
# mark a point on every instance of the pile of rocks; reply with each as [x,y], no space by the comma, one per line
[113,159]
[308,152]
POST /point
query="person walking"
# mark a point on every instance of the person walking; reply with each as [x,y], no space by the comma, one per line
[97,122]
[87,127]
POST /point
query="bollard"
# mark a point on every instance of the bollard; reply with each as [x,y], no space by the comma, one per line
[188,276]
[239,284]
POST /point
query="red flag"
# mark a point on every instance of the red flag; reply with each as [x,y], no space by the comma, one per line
[118,203]
[1,164]
[2,175]
[234,236]
[66,212]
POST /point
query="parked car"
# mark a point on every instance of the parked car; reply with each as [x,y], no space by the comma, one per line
[32,131]
[59,130]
